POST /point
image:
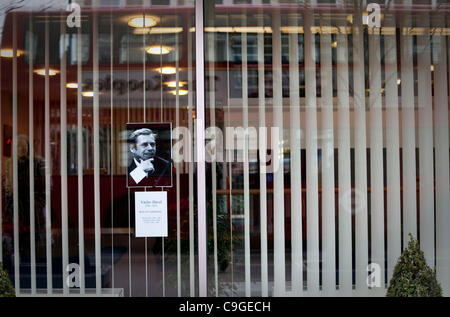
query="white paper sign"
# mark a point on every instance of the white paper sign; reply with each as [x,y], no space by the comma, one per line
[151,214]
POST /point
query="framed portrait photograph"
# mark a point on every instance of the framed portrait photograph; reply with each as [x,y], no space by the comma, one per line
[149,150]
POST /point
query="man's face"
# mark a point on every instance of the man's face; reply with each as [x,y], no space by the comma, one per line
[145,147]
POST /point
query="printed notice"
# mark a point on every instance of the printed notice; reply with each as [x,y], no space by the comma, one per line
[151,214]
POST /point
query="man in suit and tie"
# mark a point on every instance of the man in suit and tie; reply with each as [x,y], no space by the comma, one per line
[146,168]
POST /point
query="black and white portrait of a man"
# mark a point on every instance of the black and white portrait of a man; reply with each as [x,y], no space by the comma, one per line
[150,150]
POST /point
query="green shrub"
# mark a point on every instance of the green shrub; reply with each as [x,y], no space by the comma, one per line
[6,287]
[412,276]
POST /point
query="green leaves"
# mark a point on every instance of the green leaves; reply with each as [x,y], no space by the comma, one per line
[6,288]
[412,277]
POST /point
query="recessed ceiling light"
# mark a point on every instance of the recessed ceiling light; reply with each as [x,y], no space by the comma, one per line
[42,72]
[142,21]
[159,49]
[334,44]
[167,70]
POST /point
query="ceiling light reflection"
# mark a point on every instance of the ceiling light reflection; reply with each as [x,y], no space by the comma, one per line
[167,70]
[158,30]
[42,72]
[173,84]
[181,92]
[72,85]
[142,21]
[88,94]
[159,49]
[8,52]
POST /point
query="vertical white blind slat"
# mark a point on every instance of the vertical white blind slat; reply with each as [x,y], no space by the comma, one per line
[1,171]
[191,172]
[393,155]
[277,146]
[230,155]
[111,146]
[312,207]
[177,168]
[48,224]
[359,102]
[129,212]
[96,128]
[200,147]
[31,165]
[15,178]
[295,151]
[212,97]
[376,152]
[408,141]
[328,195]
[246,163]
[145,119]
[344,168]
[80,165]
[442,165]
[425,127]
[63,158]
[262,152]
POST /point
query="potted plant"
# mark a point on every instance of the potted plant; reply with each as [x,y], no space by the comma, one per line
[6,287]
[412,276]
